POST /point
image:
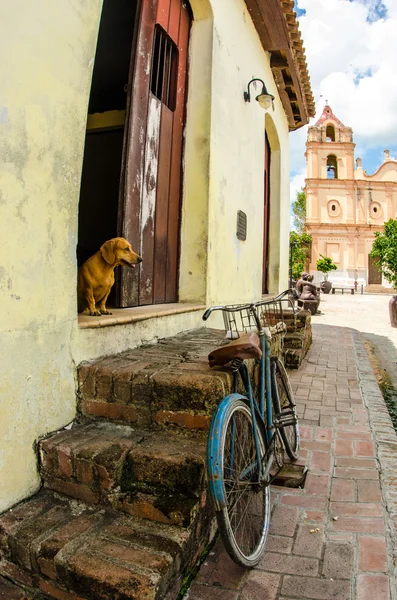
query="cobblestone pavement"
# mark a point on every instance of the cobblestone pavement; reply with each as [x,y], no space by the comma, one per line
[350,494]
[369,314]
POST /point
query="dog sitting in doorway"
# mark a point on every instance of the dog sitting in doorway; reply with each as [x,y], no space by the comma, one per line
[96,275]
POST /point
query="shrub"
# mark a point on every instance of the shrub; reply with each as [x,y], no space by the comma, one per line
[384,250]
[325,264]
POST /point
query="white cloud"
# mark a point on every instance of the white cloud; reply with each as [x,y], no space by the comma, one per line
[351,52]
[297,183]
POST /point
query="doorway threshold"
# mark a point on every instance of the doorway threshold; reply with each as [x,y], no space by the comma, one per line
[122,316]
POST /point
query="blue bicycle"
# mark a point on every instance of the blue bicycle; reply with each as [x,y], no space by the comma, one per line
[249,433]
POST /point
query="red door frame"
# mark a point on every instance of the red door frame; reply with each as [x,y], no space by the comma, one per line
[266,217]
[149,209]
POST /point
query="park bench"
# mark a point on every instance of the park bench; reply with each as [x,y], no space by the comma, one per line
[346,288]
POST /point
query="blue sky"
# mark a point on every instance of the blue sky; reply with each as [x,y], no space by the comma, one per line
[351,51]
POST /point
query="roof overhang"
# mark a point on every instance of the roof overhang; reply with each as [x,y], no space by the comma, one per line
[278,30]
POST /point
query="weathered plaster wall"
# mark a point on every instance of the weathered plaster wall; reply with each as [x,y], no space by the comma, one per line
[45,83]
[47,49]
[194,225]
[234,157]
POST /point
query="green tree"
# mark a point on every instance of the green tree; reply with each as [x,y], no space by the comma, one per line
[300,244]
[299,211]
[384,250]
[325,264]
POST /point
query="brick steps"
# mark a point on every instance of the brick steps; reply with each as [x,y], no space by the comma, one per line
[154,474]
[72,551]
[166,384]
[123,513]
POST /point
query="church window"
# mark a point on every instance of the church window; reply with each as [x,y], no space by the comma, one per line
[332,167]
[375,210]
[330,133]
[334,208]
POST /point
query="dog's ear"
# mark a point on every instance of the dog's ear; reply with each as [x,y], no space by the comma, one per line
[107,251]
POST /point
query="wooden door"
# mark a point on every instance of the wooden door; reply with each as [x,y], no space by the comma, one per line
[149,215]
[266,217]
[374,274]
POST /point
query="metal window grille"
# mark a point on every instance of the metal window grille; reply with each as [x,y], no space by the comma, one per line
[163,82]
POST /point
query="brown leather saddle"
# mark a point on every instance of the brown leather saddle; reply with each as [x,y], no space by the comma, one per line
[246,346]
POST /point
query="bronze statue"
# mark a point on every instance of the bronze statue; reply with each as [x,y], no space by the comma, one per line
[301,282]
[309,298]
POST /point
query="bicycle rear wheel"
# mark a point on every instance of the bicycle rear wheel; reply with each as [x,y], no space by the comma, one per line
[244,522]
[285,408]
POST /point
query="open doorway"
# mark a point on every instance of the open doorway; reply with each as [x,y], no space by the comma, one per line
[102,165]
[266,219]
[132,171]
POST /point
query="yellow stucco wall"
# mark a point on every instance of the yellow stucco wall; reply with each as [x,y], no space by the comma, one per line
[47,49]
[237,158]
[45,83]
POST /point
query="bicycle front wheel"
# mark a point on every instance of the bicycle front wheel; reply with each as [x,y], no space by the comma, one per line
[244,522]
[284,408]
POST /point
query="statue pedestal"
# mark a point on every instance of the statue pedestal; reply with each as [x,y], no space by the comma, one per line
[311,305]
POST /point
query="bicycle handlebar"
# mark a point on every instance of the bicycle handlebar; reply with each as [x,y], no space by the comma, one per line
[228,308]
[251,305]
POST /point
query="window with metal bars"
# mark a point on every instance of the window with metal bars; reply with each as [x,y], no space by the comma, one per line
[164,68]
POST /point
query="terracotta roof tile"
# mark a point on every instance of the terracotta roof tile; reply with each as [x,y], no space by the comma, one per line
[298,52]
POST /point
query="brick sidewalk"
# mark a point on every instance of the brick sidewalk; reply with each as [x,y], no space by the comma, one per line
[350,557]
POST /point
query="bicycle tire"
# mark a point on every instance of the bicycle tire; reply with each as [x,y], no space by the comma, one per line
[284,407]
[244,521]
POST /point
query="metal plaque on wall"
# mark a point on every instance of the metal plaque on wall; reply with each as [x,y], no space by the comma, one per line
[241,225]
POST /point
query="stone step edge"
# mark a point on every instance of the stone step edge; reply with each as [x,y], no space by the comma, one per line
[44,577]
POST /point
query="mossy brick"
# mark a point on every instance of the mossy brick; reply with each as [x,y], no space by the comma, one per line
[173,462]
[189,420]
[9,591]
[54,591]
[13,520]
[294,341]
[175,390]
[65,532]
[109,466]
[86,379]
[157,562]
[104,370]
[48,548]
[96,453]
[160,537]
[100,578]
[57,452]
[166,507]
[113,411]
[292,359]
[142,382]
[20,544]
[123,375]
[79,491]
[14,573]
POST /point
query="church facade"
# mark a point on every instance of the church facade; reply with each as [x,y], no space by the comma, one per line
[344,205]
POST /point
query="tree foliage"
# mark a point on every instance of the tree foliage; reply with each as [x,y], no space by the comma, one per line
[299,244]
[299,211]
[325,264]
[384,250]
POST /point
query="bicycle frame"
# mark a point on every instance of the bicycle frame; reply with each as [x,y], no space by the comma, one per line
[261,410]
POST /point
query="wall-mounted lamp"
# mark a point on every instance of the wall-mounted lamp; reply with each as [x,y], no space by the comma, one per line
[264,98]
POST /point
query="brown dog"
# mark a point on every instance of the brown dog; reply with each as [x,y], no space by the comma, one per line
[96,275]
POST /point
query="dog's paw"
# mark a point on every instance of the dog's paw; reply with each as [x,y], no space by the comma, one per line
[95,313]
[106,312]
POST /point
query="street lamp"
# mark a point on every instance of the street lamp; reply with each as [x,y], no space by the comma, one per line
[264,98]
